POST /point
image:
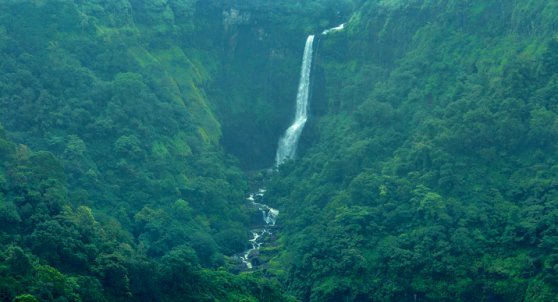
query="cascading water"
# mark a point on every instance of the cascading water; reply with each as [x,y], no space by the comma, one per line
[285,151]
[289,141]
[269,216]
[337,28]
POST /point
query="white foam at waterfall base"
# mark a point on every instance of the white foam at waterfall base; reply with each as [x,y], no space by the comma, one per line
[272,216]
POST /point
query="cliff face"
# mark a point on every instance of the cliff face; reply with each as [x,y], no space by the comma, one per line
[256,90]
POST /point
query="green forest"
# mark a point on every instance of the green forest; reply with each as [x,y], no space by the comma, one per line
[135,135]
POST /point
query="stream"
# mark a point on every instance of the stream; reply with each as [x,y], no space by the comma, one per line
[286,151]
[259,235]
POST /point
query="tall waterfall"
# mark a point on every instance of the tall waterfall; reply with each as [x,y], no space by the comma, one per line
[289,141]
[286,150]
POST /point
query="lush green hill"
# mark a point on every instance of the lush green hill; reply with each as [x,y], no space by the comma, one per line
[127,194]
[52,250]
[428,170]
[431,163]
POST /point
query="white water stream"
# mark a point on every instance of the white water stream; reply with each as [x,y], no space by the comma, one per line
[289,141]
[337,28]
[269,217]
[286,149]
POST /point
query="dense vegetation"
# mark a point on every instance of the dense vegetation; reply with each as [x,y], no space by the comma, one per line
[428,170]
[114,185]
[431,168]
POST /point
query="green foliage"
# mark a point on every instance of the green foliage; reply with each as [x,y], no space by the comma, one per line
[427,171]
[25,298]
[127,191]
[428,175]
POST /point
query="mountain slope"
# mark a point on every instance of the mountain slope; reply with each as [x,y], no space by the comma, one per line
[129,195]
[429,171]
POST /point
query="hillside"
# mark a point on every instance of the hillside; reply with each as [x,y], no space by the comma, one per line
[430,170]
[114,184]
[133,131]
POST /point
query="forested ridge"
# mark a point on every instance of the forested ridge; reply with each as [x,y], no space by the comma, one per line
[132,131]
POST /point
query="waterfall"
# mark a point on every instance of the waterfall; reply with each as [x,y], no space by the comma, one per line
[285,151]
[289,141]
